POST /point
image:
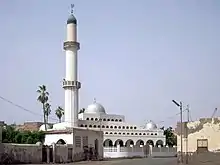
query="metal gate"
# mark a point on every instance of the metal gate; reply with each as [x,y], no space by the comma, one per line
[202,145]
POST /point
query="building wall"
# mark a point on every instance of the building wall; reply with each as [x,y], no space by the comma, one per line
[206,128]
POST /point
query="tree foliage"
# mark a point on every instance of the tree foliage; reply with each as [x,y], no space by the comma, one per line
[59,113]
[11,135]
[171,139]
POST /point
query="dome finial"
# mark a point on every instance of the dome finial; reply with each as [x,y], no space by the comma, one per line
[94,100]
[72,6]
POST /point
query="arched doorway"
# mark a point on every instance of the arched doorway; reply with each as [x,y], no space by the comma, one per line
[61,141]
[159,143]
[108,143]
[150,142]
[129,142]
[139,143]
[120,142]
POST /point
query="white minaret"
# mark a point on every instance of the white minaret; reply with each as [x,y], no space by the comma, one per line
[71,84]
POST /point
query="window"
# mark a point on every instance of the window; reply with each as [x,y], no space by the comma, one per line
[123,127]
[120,120]
[131,127]
[144,133]
[108,119]
[85,125]
[116,120]
[140,134]
[127,127]
[155,134]
[92,119]
[87,118]
[111,126]
[128,133]
[98,126]
[85,140]
[112,119]
[77,141]
[115,133]
[107,126]
[119,127]
[110,132]
[104,119]
[90,125]
[94,126]
[103,126]
[81,125]
[115,127]
[147,133]
[119,133]
[136,133]
[132,133]
[96,119]
[152,134]
[106,132]
[123,133]
[135,127]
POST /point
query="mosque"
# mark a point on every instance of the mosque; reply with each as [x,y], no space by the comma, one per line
[94,122]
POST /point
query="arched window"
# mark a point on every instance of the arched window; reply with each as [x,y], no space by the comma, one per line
[144,133]
[115,133]
[87,118]
[120,120]
[104,119]
[155,133]
[136,133]
[111,126]
[96,119]
[123,133]
[140,134]
[119,127]
[94,126]
[152,134]
[81,125]
[112,119]
[127,127]
[116,120]
[132,133]
[103,126]
[90,125]
[85,125]
[110,132]
[108,119]
[106,132]
[128,133]
[115,127]
[135,127]
[92,119]
[131,127]
[107,126]
[119,133]
[98,126]
[147,133]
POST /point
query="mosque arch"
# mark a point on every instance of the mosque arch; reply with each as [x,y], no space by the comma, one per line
[61,141]
[159,142]
[150,142]
[129,142]
[108,143]
[119,142]
[139,142]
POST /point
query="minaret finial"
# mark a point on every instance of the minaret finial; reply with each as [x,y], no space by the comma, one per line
[72,6]
[94,100]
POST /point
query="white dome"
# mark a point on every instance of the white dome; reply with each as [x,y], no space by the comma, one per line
[151,126]
[95,108]
[42,127]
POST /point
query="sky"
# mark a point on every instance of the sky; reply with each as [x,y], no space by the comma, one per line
[135,57]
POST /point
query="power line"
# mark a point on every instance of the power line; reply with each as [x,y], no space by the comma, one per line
[22,108]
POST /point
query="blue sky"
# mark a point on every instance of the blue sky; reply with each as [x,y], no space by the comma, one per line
[135,57]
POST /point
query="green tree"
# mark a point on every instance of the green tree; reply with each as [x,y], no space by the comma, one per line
[171,138]
[47,111]
[59,113]
[29,140]
[43,98]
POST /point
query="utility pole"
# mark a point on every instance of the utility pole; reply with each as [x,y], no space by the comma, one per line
[181,130]
[187,135]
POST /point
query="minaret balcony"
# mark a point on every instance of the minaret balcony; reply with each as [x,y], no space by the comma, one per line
[71,84]
[71,44]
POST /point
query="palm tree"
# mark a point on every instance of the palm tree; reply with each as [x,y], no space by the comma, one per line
[43,98]
[81,110]
[47,111]
[59,113]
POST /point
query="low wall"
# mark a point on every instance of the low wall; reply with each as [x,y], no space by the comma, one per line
[22,153]
[163,152]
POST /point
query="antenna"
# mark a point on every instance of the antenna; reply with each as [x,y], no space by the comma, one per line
[72,6]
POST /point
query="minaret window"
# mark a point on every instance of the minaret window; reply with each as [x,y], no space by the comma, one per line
[103,126]
[123,133]
[136,133]
[120,120]
[94,126]
[111,126]
[132,133]
[108,119]
[116,120]
[140,134]
[144,133]
[107,126]
[135,127]
[152,134]
[112,120]
[119,127]
[87,118]
[106,133]
[128,133]
[110,132]
[123,127]
[115,127]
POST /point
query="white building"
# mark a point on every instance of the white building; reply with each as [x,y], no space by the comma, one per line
[95,124]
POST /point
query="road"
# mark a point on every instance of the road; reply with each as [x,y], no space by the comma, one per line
[145,161]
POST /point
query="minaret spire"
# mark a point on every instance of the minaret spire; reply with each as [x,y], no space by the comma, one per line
[72,6]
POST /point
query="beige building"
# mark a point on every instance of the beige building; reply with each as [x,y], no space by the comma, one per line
[203,134]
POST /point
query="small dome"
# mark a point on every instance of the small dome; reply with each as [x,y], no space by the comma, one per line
[95,108]
[42,127]
[151,126]
[72,19]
